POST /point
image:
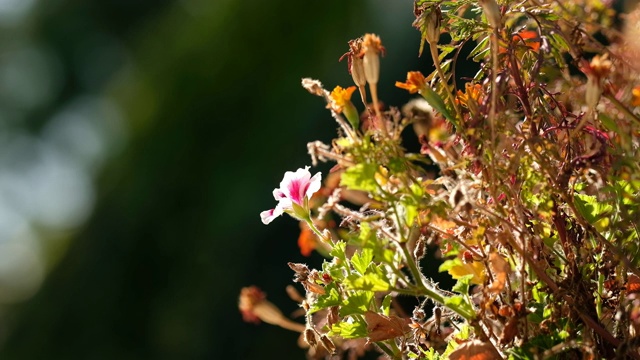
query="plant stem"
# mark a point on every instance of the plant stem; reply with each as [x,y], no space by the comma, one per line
[431,292]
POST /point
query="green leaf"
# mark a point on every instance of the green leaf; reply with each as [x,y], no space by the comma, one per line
[589,207]
[357,303]
[462,286]
[367,236]
[329,299]
[360,177]
[386,304]
[338,251]
[459,302]
[362,261]
[410,205]
[372,281]
[448,264]
[480,49]
[349,330]
[436,102]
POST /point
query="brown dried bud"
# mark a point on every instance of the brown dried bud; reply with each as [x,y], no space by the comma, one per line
[255,308]
[333,317]
[328,344]
[301,270]
[310,337]
[421,247]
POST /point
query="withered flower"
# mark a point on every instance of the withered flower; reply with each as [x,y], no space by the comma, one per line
[255,307]
[355,64]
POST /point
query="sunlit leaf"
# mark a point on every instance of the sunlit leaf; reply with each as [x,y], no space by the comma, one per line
[360,177]
[362,260]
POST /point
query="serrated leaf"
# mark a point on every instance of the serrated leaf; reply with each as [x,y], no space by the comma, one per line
[483,46]
[381,327]
[362,260]
[589,207]
[372,281]
[338,251]
[462,285]
[349,330]
[357,303]
[367,235]
[329,299]
[436,102]
[360,177]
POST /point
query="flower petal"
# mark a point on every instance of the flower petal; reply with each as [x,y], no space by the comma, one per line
[278,194]
[314,185]
[295,184]
[267,216]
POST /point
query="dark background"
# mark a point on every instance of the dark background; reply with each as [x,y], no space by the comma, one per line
[174,121]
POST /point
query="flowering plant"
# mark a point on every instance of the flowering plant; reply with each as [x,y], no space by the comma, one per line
[526,191]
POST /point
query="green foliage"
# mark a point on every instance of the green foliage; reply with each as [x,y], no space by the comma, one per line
[527,210]
[360,177]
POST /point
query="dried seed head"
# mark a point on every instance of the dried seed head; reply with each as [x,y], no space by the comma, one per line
[371,50]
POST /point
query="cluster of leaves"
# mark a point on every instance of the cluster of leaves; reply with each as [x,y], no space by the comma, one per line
[534,208]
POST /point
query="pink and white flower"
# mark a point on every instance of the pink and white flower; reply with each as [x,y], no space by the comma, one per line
[296,188]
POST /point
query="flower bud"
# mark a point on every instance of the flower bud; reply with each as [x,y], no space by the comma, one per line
[357,71]
[432,26]
[597,71]
[492,12]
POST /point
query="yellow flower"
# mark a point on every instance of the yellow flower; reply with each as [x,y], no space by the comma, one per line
[635,93]
[415,82]
[341,102]
[341,97]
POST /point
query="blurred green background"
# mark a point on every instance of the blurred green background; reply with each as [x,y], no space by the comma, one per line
[139,142]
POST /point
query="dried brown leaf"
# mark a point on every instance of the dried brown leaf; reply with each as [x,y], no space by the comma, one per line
[381,327]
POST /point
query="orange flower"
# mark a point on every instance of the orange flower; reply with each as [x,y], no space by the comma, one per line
[341,97]
[307,241]
[472,92]
[530,38]
[635,96]
[415,82]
